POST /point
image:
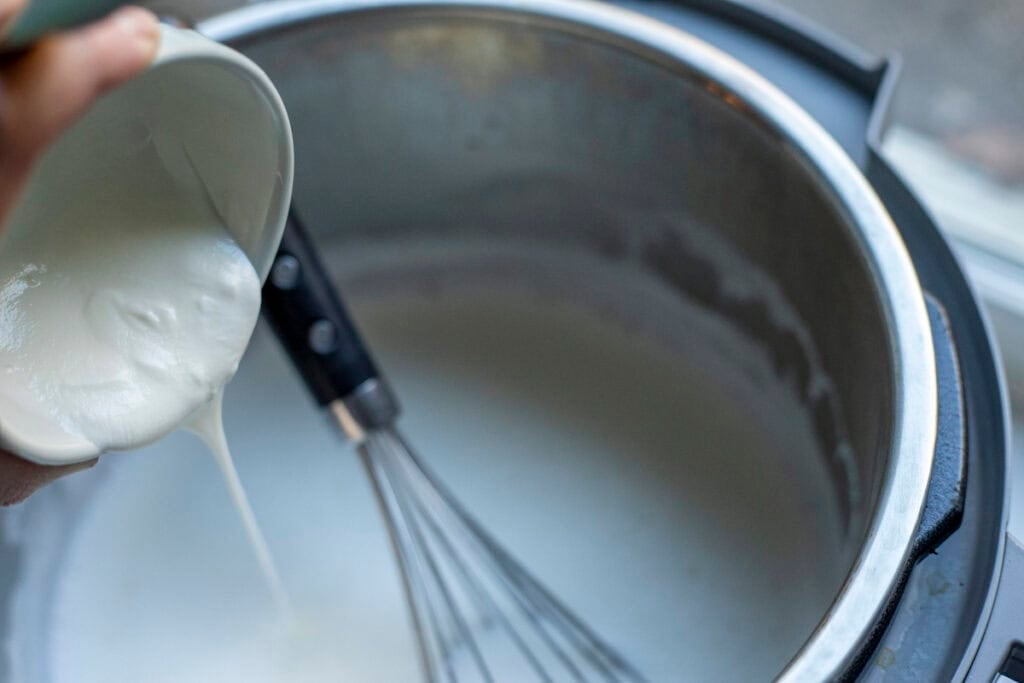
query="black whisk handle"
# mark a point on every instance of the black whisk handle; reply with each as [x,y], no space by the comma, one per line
[301,305]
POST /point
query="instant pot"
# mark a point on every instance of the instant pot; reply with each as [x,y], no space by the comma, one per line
[705,144]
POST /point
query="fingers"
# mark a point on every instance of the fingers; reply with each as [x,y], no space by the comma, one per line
[46,90]
[20,478]
[41,94]
[9,11]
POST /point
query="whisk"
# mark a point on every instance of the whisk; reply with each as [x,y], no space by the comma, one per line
[478,615]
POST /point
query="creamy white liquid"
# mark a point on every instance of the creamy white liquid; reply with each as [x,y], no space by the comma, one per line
[114,330]
[208,425]
[683,520]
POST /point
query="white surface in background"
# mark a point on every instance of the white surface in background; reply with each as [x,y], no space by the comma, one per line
[970,204]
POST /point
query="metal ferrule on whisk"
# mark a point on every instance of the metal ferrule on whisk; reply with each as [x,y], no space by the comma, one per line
[371,407]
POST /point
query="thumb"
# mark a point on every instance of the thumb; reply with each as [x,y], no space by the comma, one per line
[47,89]
[19,478]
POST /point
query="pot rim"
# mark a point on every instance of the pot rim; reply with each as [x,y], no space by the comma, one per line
[886,547]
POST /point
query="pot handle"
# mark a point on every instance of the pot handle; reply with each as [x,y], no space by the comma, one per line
[944,504]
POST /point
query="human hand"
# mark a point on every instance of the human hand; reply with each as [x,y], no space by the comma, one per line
[42,92]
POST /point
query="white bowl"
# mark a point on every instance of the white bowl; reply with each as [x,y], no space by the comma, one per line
[224,135]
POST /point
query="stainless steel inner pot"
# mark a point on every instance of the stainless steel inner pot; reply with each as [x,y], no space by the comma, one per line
[569,125]
[578,131]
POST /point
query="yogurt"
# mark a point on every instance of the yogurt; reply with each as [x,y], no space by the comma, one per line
[113,331]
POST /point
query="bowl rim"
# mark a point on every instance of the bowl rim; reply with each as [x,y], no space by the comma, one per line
[179,46]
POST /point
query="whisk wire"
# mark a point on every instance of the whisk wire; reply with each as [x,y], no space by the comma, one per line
[448,560]
[477,540]
[487,607]
[569,626]
[511,571]
[410,577]
[428,608]
[457,622]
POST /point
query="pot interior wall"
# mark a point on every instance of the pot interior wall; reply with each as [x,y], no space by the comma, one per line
[420,124]
[485,185]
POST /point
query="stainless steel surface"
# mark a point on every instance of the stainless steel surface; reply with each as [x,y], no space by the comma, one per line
[564,124]
[438,118]
[477,613]
[371,406]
